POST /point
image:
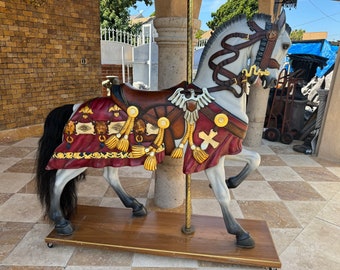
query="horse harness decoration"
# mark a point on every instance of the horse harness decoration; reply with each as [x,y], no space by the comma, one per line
[268,37]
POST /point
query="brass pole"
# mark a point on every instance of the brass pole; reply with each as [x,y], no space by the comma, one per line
[188,228]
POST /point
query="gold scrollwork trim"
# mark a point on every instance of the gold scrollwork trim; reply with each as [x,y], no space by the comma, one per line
[97,155]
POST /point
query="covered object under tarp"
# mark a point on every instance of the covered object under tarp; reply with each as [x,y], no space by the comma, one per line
[315,50]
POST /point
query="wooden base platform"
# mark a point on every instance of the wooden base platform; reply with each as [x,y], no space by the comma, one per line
[160,233]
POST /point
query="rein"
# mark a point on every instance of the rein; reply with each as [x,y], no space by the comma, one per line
[268,37]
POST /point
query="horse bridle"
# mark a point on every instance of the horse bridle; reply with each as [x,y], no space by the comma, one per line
[268,38]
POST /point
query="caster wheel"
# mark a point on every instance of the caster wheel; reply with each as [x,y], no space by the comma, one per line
[50,245]
[286,138]
[272,134]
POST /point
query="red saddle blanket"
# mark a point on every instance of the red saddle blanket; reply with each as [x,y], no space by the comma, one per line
[96,120]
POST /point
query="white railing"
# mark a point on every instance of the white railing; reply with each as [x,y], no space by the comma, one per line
[114,35]
[110,34]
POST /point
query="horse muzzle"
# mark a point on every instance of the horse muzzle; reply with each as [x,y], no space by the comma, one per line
[268,82]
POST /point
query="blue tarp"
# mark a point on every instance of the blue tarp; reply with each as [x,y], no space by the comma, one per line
[318,48]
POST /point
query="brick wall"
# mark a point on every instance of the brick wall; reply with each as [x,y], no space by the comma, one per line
[49,56]
[116,70]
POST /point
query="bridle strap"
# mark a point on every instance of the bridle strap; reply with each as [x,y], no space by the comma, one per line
[268,37]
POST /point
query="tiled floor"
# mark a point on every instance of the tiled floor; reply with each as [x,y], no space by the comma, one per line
[298,195]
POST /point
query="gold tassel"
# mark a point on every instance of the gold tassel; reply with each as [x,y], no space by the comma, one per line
[178,151]
[138,151]
[150,162]
[199,155]
[112,142]
[122,144]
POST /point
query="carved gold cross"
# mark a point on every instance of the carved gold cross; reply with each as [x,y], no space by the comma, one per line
[208,139]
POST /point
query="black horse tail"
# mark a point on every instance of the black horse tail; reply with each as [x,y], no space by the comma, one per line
[51,138]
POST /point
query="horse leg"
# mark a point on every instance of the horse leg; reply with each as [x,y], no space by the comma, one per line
[111,176]
[253,160]
[216,176]
[63,176]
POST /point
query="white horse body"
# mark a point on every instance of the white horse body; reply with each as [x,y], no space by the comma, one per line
[224,98]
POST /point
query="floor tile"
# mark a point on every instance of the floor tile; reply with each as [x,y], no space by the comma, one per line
[262,150]
[83,256]
[318,174]
[135,171]
[92,187]
[272,160]
[13,182]
[211,207]
[23,166]
[330,212]
[17,152]
[136,187]
[201,189]
[326,189]
[28,142]
[299,161]
[279,173]
[21,208]
[6,163]
[295,191]
[33,251]
[255,191]
[4,197]
[284,237]
[334,170]
[304,211]
[314,248]
[276,214]
[11,233]
[143,260]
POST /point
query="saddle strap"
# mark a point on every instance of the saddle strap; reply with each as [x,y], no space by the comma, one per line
[235,125]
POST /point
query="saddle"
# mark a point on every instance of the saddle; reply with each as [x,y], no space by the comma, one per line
[152,105]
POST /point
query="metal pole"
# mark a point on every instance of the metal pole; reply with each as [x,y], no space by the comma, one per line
[188,228]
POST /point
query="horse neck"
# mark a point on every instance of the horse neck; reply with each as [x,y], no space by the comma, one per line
[225,98]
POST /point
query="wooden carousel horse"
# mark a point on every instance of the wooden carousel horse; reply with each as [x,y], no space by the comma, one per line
[203,122]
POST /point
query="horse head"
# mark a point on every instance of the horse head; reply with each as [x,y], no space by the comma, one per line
[241,51]
[268,54]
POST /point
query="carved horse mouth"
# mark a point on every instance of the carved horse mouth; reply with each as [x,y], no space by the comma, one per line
[268,81]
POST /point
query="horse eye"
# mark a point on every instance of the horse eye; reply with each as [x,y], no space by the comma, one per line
[285,46]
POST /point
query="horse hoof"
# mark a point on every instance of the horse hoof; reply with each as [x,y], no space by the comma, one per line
[232,182]
[140,212]
[245,241]
[64,229]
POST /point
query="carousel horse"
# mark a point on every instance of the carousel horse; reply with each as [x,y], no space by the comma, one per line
[203,122]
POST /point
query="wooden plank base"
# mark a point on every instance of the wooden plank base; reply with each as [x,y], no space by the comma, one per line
[160,233]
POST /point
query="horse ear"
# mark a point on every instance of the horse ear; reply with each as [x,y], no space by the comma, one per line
[281,21]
